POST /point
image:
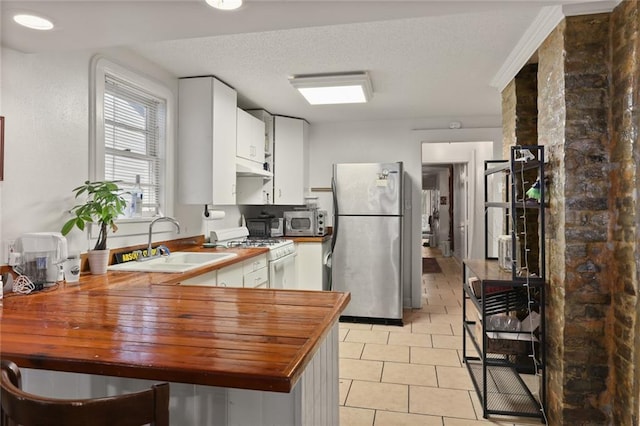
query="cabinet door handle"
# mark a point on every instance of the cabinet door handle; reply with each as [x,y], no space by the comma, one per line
[222,284]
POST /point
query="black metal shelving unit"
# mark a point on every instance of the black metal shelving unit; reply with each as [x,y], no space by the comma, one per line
[495,365]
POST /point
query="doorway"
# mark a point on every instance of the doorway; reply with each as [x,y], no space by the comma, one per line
[461,204]
[445,208]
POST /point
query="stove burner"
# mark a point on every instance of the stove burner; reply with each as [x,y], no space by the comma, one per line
[255,242]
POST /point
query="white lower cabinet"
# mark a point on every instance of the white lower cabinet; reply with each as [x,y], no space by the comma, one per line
[256,273]
[311,271]
[251,273]
[208,279]
[230,276]
[257,279]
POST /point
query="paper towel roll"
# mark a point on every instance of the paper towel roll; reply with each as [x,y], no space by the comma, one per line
[214,215]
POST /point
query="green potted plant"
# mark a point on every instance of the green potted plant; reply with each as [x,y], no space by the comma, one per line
[103,205]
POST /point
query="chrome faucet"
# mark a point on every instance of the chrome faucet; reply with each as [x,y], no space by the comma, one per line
[160,219]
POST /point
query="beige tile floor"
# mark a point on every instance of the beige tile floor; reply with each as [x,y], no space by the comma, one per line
[413,375]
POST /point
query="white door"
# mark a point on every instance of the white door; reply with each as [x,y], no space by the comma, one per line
[461,210]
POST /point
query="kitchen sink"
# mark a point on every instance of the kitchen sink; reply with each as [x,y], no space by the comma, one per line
[193,257]
[176,262]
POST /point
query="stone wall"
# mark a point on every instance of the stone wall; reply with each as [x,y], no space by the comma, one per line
[520,127]
[589,120]
[509,100]
[526,107]
[588,89]
[624,154]
[551,129]
[527,134]
[520,110]
[588,257]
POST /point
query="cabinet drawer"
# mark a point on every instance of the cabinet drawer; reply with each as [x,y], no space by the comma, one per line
[255,263]
[257,278]
[231,276]
[208,279]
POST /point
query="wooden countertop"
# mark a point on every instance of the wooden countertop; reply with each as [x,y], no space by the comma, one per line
[123,324]
[310,239]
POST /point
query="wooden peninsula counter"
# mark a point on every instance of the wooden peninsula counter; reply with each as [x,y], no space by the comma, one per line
[232,355]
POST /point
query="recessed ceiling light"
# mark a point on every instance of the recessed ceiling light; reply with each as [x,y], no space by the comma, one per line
[325,89]
[34,22]
[225,4]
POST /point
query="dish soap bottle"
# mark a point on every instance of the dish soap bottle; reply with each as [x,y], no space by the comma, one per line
[136,199]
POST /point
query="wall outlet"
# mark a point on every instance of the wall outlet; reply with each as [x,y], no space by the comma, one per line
[9,247]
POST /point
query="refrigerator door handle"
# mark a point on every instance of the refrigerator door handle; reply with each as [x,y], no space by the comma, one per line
[334,234]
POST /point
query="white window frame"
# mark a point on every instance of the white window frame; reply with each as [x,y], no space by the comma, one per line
[101,66]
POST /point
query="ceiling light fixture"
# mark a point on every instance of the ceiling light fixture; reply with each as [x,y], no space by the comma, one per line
[225,4]
[337,88]
[34,22]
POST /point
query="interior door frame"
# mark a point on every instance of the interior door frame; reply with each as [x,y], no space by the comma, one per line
[1,148]
[452,198]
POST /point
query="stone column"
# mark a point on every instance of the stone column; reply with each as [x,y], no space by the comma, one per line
[624,230]
[589,119]
[573,102]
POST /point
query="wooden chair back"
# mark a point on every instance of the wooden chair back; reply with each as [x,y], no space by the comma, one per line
[150,406]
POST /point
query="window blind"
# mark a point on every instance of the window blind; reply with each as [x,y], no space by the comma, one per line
[134,123]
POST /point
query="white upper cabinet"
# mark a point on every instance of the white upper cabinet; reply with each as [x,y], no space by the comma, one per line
[206,141]
[291,160]
[250,137]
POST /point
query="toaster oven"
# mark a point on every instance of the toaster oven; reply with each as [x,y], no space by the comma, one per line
[265,227]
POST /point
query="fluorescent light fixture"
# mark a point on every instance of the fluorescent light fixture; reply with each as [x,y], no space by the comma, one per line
[34,22]
[324,89]
[225,4]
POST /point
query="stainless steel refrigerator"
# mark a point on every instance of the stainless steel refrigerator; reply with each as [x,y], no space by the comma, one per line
[367,240]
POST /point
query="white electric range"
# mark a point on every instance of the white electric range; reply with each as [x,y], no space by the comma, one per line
[281,257]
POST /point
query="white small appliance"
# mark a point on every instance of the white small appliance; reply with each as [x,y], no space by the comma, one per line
[505,255]
[41,256]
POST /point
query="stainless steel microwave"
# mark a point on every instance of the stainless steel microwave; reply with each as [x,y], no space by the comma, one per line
[305,223]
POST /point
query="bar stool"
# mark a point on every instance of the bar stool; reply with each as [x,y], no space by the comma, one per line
[150,406]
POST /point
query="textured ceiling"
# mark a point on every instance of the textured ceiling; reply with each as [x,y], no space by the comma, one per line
[426,58]
[420,67]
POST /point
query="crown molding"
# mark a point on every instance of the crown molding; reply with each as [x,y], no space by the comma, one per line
[590,8]
[548,18]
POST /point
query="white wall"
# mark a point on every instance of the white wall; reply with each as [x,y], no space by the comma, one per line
[385,141]
[459,146]
[46,105]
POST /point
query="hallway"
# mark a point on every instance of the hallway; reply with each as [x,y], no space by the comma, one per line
[413,375]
